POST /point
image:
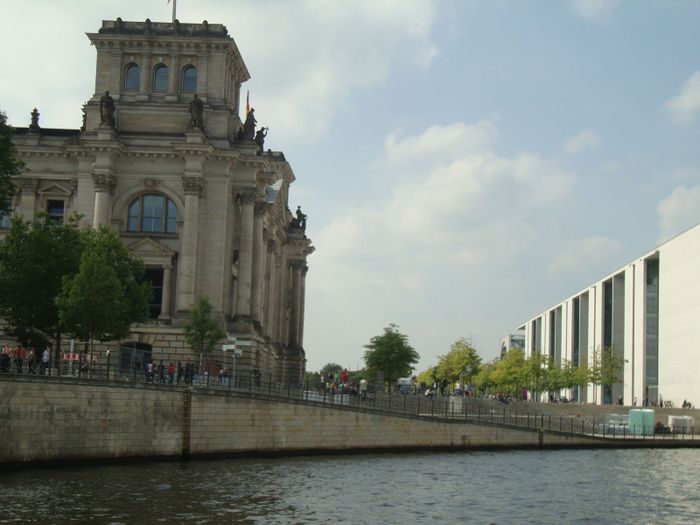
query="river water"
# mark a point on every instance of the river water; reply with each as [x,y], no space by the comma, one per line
[515,487]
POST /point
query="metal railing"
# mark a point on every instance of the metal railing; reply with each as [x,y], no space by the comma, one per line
[443,408]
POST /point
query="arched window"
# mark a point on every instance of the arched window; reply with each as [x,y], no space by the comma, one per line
[189,79]
[151,213]
[132,76]
[160,78]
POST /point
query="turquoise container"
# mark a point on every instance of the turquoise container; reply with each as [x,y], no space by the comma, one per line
[642,421]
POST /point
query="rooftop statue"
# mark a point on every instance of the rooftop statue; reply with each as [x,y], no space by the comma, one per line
[34,126]
[260,138]
[249,125]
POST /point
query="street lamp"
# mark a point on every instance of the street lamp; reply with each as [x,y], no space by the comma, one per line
[468,371]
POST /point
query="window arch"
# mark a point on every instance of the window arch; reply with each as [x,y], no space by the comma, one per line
[132,76]
[151,213]
[160,78]
[189,79]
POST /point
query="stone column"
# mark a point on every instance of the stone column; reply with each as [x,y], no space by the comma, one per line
[257,273]
[187,268]
[167,286]
[269,295]
[115,81]
[102,209]
[302,306]
[295,304]
[245,255]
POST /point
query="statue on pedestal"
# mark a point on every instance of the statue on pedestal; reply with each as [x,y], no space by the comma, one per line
[197,113]
[107,109]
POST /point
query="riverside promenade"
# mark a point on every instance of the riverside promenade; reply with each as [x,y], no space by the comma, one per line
[67,418]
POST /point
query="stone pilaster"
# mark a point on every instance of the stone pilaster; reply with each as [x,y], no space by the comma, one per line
[146,76]
[187,268]
[27,198]
[167,291]
[173,76]
[245,255]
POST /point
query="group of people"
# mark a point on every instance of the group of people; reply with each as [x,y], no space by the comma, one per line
[22,359]
[341,385]
[171,374]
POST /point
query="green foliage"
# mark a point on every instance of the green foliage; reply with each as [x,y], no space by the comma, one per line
[509,374]
[201,332]
[107,294]
[606,367]
[34,259]
[454,365]
[427,376]
[391,354]
[332,368]
[10,164]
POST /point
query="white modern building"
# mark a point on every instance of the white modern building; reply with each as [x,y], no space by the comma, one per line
[648,312]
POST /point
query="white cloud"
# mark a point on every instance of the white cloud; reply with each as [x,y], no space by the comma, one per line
[441,241]
[585,141]
[574,255]
[594,10]
[679,211]
[685,106]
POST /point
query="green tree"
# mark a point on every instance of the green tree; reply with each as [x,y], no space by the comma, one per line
[108,294]
[10,164]
[391,354]
[34,258]
[201,332]
[605,368]
[484,380]
[460,359]
[510,372]
[536,373]
[332,368]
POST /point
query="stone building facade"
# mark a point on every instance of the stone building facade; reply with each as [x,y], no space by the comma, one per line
[163,160]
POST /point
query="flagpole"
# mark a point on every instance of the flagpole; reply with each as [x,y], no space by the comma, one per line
[174,8]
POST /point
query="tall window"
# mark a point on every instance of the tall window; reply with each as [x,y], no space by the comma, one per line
[160,78]
[154,277]
[152,213]
[189,79]
[6,216]
[132,77]
[55,210]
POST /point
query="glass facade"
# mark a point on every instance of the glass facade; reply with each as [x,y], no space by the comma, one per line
[607,333]
[154,277]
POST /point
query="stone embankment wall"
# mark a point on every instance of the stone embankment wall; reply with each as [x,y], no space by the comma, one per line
[45,420]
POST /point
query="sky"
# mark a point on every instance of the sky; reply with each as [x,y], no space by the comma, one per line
[464,164]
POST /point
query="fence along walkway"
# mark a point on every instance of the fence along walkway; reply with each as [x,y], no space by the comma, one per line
[451,409]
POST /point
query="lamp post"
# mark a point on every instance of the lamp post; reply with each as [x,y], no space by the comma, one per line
[468,371]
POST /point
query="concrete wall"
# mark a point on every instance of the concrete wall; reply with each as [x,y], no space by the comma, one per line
[52,421]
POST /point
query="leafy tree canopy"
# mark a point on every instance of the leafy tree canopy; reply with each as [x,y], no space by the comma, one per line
[332,368]
[34,258]
[461,360]
[202,333]
[108,294]
[391,354]
[10,164]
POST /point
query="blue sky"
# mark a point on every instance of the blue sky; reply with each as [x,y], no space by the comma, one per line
[464,164]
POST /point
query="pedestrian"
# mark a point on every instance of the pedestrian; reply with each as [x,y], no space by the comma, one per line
[45,360]
[161,372]
[149,372]
[363,389]
[180,371]
[31,360]
[171,373]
